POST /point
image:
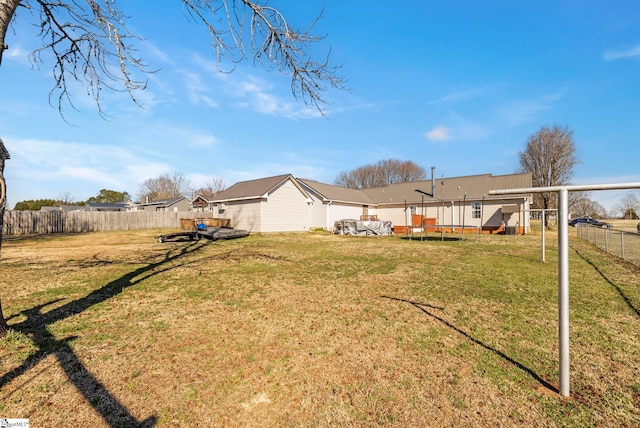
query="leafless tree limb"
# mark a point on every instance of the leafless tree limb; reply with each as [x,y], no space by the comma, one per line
[272,42]
[91,44]
[381,174]
[86,39]
[549,155]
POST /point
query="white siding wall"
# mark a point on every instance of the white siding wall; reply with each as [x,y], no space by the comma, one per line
[286,210]
[460,213]
[318,213]
[492,213]
[337,211]
[394,214]
[244,215]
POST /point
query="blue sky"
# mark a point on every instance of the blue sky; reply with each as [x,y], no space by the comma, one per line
[457,85]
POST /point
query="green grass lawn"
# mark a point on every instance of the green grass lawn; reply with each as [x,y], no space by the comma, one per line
[310,329]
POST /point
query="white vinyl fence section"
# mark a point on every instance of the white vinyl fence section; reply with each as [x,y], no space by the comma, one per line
[625,245]
[38,222]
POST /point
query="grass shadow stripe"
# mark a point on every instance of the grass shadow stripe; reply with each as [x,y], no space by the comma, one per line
[610,282]
[424,308]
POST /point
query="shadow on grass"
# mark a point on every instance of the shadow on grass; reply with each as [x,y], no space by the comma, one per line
[610,282]
[113,412]
[425,308]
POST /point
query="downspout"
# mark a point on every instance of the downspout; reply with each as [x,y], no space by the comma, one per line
[433,181]
[452,216]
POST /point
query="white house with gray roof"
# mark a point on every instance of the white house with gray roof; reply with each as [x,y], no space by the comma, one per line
[285,203]
[273,204]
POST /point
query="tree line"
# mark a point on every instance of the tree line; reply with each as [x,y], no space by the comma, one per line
[165,186]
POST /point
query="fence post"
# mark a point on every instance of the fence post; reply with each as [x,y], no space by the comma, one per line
[563,290]
[543,228]
[622,243]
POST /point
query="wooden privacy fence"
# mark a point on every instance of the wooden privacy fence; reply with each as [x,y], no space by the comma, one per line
[35,222]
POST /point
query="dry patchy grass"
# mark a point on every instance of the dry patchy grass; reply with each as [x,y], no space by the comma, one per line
[116,329]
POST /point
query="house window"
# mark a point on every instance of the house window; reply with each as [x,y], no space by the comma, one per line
[476,209]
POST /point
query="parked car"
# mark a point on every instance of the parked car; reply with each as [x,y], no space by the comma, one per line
[589,220]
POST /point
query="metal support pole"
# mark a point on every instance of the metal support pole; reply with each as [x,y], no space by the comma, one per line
[563,260]
[422,219]
[563,289]
[543,228]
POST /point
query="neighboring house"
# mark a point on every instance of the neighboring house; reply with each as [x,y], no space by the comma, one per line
[284,203]
[97,206]
[65,208]
[200,204]
[174,204]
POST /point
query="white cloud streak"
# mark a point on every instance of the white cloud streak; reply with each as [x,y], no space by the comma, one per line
[459,96]
[520,112]
[250,92]
[613,55]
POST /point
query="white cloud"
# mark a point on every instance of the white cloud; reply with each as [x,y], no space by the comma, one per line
[197,90]
[438,134]
[152,50]
[96,175]
[612,55]
[520,112]
[17,53]
[185,136]
[458,96]
[255,93]
[83,168]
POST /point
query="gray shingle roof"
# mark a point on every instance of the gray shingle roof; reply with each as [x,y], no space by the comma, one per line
[252,189]
[163,202]
[337,193]
[476,187]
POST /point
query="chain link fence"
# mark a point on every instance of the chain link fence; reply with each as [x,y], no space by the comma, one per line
[625,245]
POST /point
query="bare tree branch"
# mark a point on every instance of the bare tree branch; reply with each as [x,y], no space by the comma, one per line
[273,42]
[91,44]
[165,186]
[549,156]
[86,40]
[381,174]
